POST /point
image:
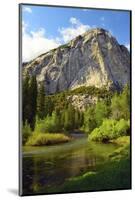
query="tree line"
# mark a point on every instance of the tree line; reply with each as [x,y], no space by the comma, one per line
[33,100]
[53,113]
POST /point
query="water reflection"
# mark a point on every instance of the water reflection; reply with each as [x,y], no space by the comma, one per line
[43,171]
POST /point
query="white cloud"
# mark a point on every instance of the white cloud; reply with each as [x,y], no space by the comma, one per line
[27,9]
[128,46]
[73,20]
[24,27]
[74,30]
[35,43]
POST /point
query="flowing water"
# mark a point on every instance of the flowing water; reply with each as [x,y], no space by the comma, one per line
[50,166]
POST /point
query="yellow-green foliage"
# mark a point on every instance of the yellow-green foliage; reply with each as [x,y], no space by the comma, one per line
[39,139]
[50,124]
[122,140]
[123,151]
[120,104]
[120,153]
[110,129]
[26,133]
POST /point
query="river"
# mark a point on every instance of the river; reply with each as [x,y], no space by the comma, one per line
[50,166]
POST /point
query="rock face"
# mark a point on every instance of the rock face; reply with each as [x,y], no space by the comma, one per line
[92,59]
[81,102]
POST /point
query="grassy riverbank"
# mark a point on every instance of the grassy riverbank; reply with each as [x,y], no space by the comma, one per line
[40,139]
[112,174]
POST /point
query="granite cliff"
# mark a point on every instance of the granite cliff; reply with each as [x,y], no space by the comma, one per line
[92,59]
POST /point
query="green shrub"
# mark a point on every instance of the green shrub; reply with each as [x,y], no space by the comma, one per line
[26,133]
[122,127]
[122,152]
[110,129]
[101,112]
[89,120]
[50,124]
[123,140]
[120,104]
[39,139]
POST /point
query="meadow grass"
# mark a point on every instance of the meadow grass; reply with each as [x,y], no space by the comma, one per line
[40,139]
[114,175]
[123,140]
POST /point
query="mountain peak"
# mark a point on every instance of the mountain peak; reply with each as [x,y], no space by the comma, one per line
[94,58]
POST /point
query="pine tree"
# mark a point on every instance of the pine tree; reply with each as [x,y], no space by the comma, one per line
[69,118]
[62,118]
[56,121]
[116,107]
[41,101]
[67,124]
[49,106]
[71,112]
[33,101]
[89,119]
[25,99]
[125,102]
[101,112]
[81,118]
[76,119]
[120,104]
[29,100]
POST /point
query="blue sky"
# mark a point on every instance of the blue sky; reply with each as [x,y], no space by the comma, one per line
[45,28]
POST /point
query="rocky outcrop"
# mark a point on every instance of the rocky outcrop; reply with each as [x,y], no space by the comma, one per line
[92,59]
[81,102]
